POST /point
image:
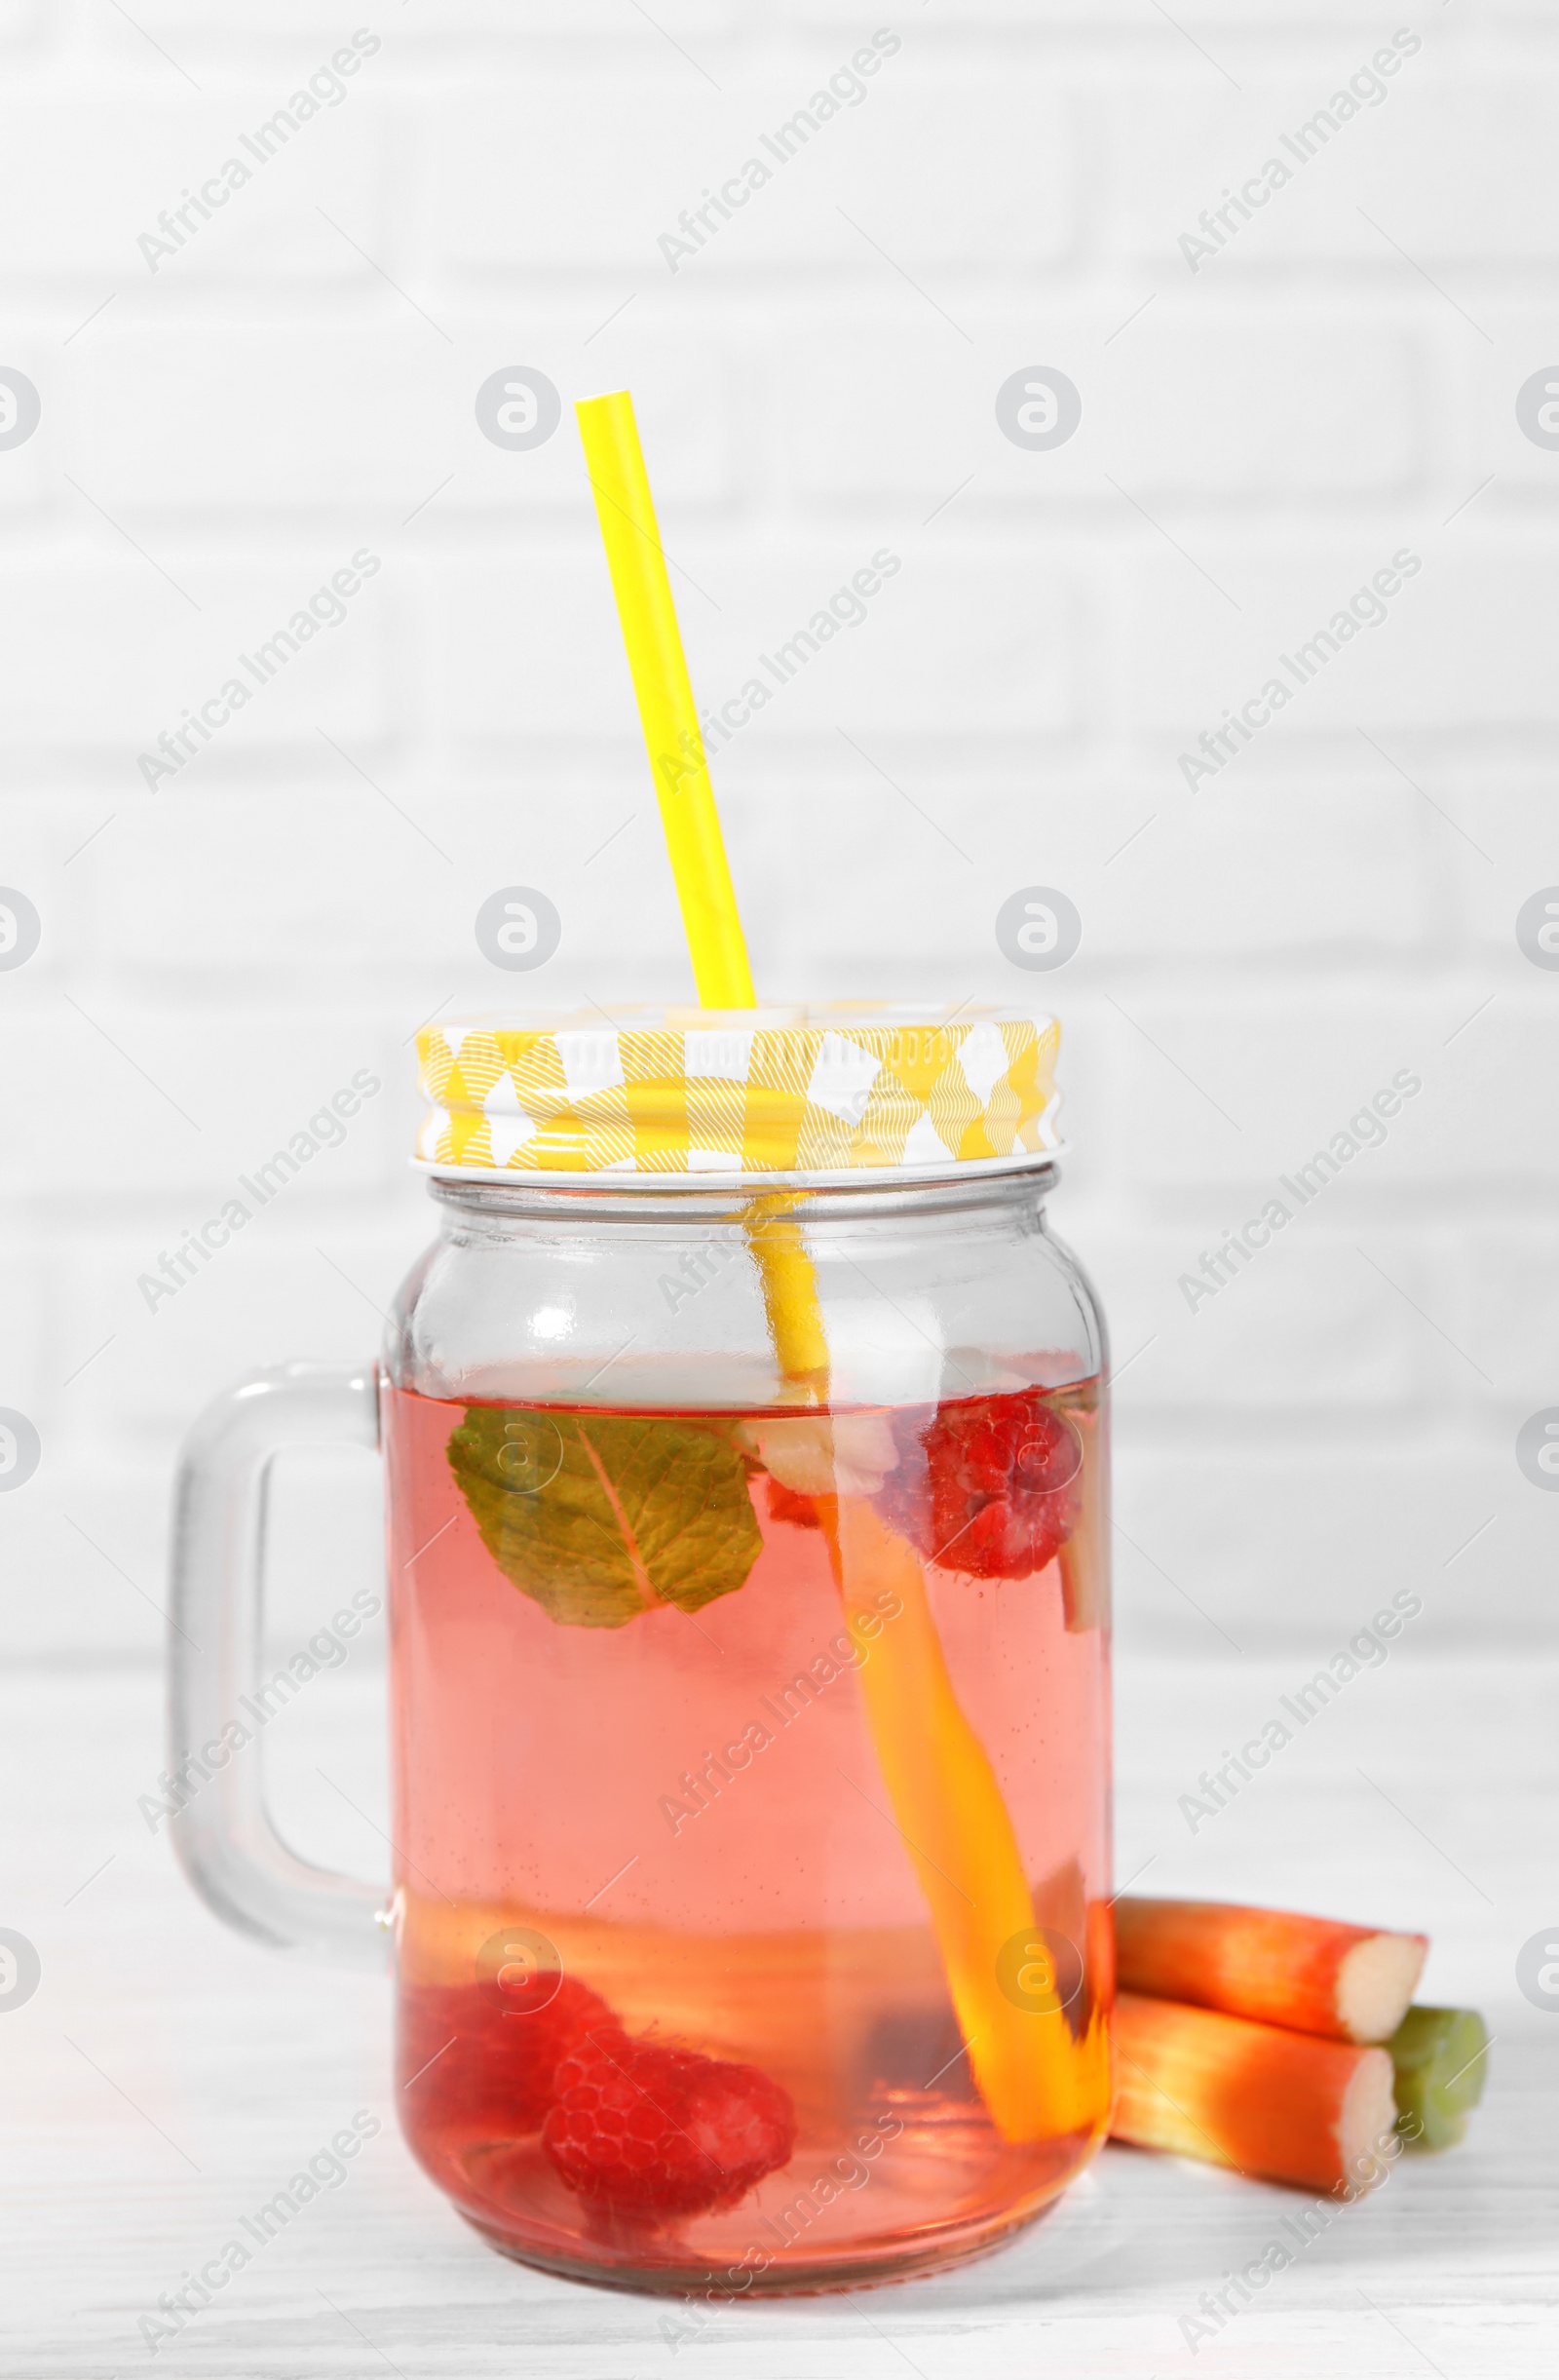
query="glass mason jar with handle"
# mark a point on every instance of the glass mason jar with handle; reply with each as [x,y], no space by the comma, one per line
[745,1452]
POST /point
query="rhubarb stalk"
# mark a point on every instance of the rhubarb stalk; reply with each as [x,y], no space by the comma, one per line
[1440,2055]
[1310,1973]
[1283,2106]
[948,1807]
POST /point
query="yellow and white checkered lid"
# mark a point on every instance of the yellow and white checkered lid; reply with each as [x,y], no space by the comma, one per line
[748,1094]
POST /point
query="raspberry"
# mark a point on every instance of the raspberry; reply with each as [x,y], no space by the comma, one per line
[789,1504]
[653,2130]
[485,2068]
[988,1485]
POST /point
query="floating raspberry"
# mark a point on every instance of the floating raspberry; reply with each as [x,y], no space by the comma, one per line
[987,1484]
[788,1504]
[484,2067]
[652,2131]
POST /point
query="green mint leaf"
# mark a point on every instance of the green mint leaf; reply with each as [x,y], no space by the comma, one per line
[599,1516]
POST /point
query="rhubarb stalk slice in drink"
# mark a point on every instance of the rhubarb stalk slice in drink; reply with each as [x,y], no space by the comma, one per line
[948,1807]
[943,1791]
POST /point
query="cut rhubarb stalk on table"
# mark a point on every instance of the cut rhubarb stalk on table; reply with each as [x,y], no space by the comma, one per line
[1277,2105]
[1440,2055]
[1345,1982]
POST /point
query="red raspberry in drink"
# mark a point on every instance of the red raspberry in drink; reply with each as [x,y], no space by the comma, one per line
[491,2069]
[789,1504]
[986,1485]
[652,2131]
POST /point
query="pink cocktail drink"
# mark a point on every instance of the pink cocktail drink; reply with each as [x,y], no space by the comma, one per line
[673,2006]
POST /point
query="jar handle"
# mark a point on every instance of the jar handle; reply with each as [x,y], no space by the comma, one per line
[223,1835]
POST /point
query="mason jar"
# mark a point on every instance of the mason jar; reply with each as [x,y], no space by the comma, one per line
[745,1452]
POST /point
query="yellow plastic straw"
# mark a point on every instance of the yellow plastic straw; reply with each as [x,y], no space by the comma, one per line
[944,1793]
[790,1301]
[636,560]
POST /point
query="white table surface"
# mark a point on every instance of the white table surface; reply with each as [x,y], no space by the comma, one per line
[166,2077]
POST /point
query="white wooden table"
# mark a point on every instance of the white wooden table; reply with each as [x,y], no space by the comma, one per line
[166,2078]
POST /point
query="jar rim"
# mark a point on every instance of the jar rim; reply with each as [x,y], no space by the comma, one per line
[625,1180]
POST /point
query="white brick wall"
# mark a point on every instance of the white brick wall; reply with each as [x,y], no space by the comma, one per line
[1258,438]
